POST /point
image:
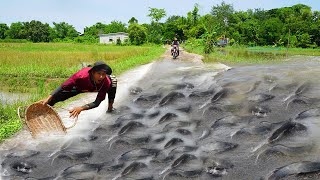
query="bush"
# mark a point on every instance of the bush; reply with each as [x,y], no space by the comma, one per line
[9,121]
[209,41]
[86,39]
[65,40]
[14,41]
[118,42]
[137,34]
[126,42]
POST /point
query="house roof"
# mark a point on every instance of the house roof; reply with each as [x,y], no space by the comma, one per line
[113,34]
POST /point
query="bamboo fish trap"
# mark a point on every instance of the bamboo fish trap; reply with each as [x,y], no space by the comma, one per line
[42,119]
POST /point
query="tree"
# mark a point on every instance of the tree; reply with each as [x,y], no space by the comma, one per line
[210,35]
[304,40]
[137,34]
[133,20]
[156,14]
[173,28]
[155,29]
[192,28]
[95,30]
[250,31]
[154,32]
[195,14]
[115,26]
[194,31]
[17,31]
[315,26]
[272,31]
[63,30]
[3,29]
[209,23]
[37,31]
[99,28]
[223,13]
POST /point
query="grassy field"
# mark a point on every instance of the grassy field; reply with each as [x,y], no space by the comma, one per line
[38,68]
[250,55]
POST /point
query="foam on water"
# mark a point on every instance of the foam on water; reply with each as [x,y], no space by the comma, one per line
[218,122]
[87,120]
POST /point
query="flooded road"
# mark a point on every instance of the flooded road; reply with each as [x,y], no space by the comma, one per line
[178,120]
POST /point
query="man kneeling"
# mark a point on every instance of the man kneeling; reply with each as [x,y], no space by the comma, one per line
[90,79]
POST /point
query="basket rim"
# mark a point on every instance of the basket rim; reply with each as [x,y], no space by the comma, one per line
[52,111]
[44,105]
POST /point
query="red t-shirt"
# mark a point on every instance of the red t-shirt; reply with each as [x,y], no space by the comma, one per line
[81,82]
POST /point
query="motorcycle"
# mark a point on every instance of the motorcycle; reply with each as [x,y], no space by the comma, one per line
[174,52]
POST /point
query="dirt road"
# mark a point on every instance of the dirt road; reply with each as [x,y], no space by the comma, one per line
[184,56]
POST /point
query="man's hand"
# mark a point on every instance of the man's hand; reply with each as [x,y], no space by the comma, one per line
[45,101]
[74,113]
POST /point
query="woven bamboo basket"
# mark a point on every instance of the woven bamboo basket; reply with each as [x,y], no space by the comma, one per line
[43,119]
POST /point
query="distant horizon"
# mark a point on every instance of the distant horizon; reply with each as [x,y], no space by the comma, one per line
[81,13]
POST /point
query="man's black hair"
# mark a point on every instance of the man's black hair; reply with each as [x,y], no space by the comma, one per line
[101,66]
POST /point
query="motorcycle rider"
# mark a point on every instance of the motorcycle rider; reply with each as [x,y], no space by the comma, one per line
[175,44]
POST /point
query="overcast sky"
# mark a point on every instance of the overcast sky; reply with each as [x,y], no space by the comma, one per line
[82,13]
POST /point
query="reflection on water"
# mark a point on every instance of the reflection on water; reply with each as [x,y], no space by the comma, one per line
[11,98]
[188,121]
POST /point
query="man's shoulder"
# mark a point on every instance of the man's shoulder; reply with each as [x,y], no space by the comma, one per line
[86,69]
[83,73]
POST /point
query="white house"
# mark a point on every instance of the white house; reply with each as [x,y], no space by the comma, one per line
[112,37]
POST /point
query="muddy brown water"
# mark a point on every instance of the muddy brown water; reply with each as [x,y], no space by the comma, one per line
[180,120]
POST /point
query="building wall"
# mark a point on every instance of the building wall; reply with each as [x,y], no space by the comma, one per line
[109,39]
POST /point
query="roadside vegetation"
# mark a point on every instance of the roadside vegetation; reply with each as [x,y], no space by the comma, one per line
[295,26]
[247,55]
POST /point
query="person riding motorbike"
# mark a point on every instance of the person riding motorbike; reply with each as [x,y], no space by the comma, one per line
[175,44]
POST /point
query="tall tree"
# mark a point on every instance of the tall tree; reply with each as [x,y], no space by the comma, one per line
[64,30]
[314,29]
[156,14]
[133,20]
[17,31]
[193,29]
[272,32]
[115,26]
[173,28]
[3,29]
[95,30]
[137,34]
[223,13]
[37,31]
[195,14]
[154,30]
[100,28]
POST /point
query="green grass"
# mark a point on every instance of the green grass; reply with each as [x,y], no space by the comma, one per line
[250,55]
[38,68]
[9,121]
[60,60]
[290,51]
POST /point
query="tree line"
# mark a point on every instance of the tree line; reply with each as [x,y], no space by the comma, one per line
[295,26]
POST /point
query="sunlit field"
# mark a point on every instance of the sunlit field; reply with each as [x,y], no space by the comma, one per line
[250,55]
